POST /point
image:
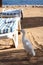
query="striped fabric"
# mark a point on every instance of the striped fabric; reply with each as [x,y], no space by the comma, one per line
[11,12]
[7,25]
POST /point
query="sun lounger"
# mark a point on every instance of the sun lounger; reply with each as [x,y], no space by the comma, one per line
[13,13]
[8,27]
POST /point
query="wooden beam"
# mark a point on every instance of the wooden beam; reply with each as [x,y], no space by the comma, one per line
[0,3]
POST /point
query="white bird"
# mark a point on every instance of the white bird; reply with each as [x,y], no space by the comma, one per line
[27,44]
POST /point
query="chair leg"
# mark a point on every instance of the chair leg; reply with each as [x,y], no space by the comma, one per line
[15,39]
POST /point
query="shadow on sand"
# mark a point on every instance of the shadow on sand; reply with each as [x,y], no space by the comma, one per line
[32,22]
[20,57]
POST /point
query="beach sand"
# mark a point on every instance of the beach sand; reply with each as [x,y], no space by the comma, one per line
[32,23]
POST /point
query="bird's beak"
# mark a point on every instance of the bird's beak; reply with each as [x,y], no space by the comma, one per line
[19,30]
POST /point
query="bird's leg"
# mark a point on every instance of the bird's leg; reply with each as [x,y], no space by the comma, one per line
[29,56]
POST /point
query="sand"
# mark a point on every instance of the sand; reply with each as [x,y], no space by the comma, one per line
[32,23]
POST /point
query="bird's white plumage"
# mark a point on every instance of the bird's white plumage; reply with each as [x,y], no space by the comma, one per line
[27,44]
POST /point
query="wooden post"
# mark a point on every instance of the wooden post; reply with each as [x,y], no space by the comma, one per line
[0,3]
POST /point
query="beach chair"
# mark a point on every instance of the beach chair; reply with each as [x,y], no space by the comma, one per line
[14,13]
[9,27]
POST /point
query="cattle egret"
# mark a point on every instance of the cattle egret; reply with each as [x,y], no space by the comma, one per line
[27,44]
